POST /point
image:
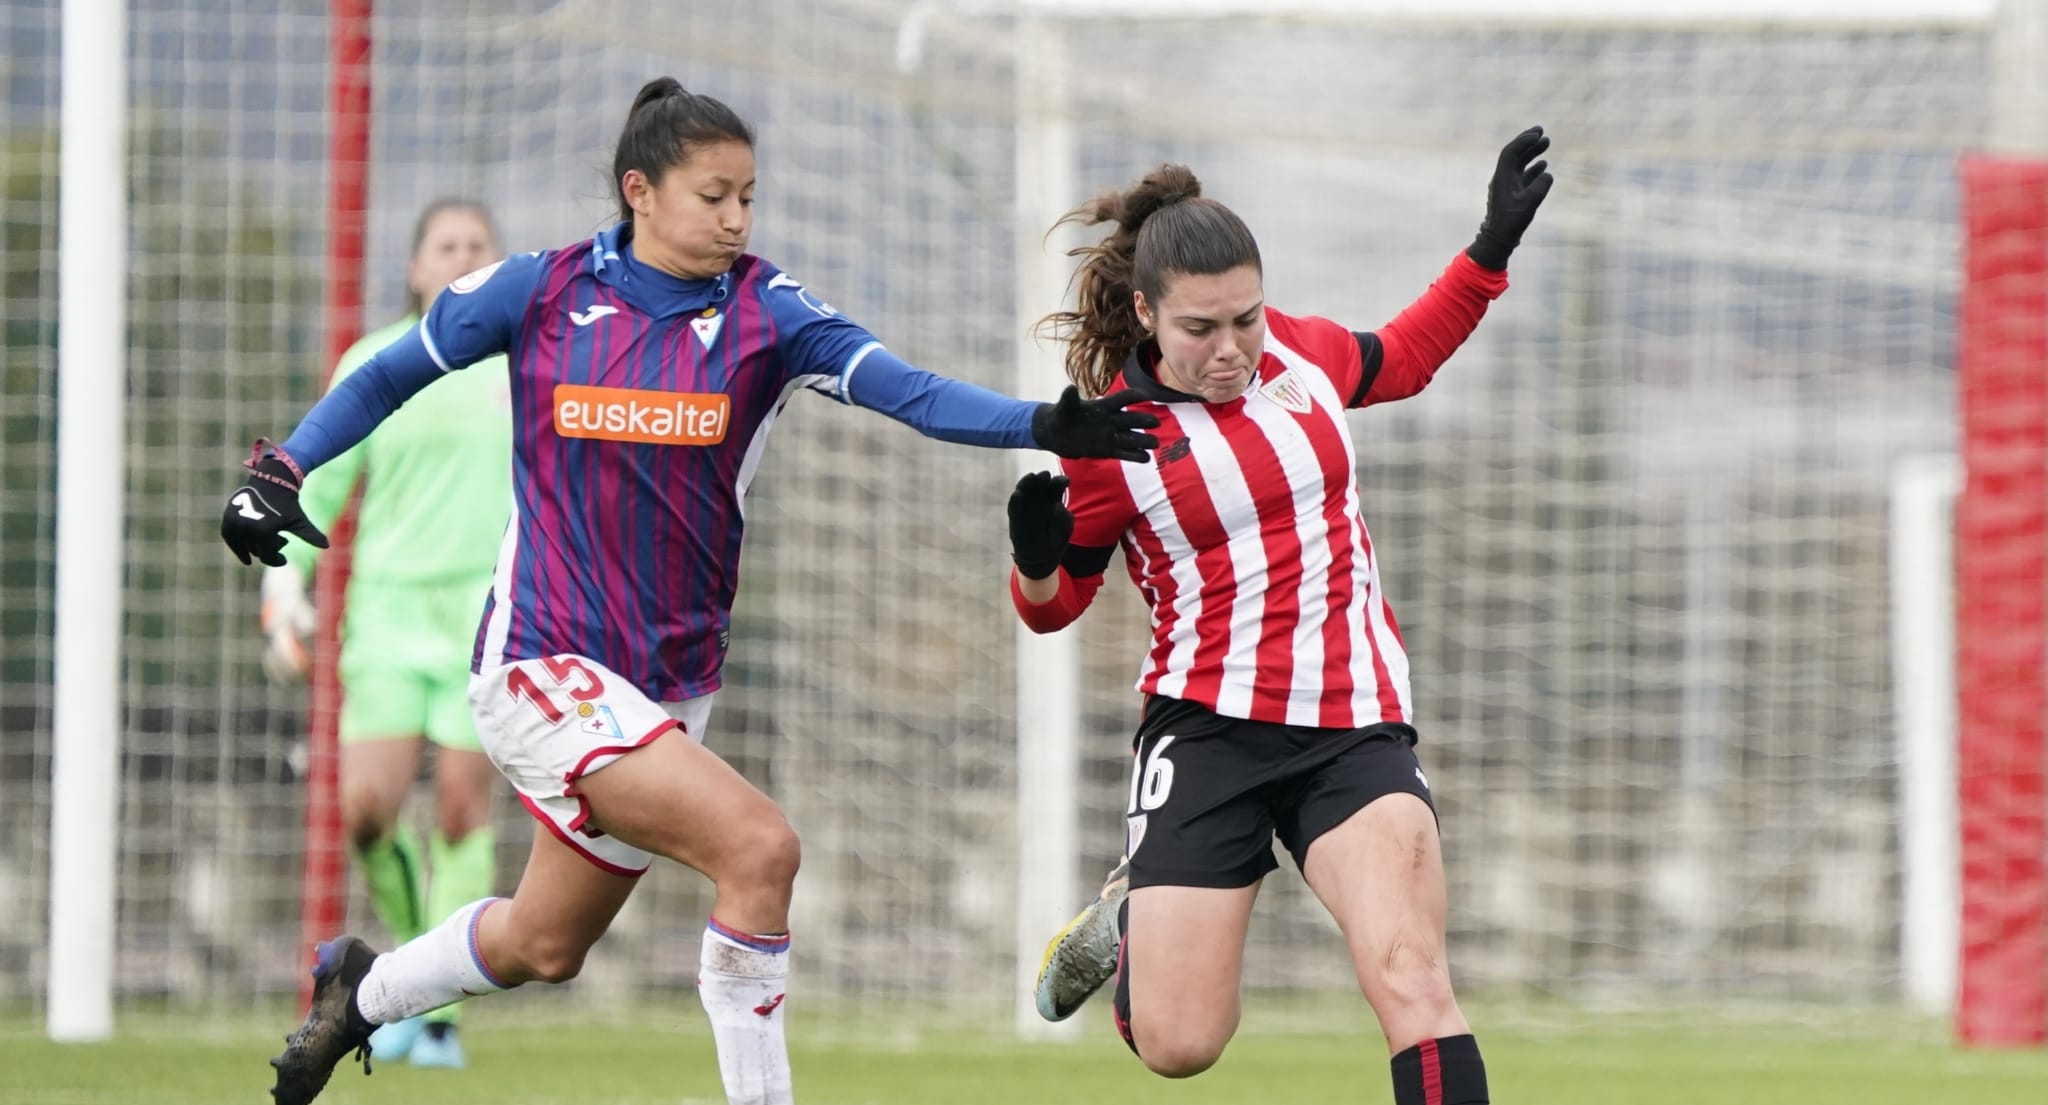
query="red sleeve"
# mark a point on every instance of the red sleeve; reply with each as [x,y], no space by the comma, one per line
[1065,607]
[1103,512]
[1423,337]
[1327,345]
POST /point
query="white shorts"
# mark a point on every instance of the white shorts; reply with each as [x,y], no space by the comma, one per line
[548,722]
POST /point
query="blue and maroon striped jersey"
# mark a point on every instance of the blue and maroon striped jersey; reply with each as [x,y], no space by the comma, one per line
[641,403]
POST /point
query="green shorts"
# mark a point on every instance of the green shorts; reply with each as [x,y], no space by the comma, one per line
[405,652]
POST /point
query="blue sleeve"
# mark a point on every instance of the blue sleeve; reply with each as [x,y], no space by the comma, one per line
[476,318]
[934,405]
[480,314]
[347,414]
[831,354]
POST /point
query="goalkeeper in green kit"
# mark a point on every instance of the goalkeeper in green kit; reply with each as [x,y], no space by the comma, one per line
[437,491]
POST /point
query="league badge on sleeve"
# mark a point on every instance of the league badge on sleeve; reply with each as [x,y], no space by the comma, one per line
[472,281]
[819,306]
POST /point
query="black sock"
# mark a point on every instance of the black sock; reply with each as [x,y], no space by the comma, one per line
[357,1023]
[1441,1072]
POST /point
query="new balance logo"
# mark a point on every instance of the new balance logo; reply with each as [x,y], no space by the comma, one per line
[768,1007]
[1173,450]
[585,318]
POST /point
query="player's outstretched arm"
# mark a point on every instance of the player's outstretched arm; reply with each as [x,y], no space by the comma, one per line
[837,357]
[266,506]
[1400,358]
[967,414]
[475,319]
[1520,181]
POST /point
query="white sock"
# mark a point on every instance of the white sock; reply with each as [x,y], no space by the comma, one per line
[741,980]
[441,967]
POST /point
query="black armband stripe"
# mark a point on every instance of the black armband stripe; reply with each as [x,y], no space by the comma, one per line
[1083,561]
[1370,354]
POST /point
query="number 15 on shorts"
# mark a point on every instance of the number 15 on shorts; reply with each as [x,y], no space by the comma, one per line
[576,693]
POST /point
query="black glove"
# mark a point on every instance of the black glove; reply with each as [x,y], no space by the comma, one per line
[1512,198]
[1040,524]
[266,507]
[1075,427]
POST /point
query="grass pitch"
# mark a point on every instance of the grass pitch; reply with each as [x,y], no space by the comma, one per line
[666,1059]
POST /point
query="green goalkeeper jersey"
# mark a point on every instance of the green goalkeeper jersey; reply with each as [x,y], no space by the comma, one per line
[437,478]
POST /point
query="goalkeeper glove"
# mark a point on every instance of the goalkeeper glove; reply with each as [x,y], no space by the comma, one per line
[1040,524]
[288,621]
[1516,191]
[266,507]
[1076,427]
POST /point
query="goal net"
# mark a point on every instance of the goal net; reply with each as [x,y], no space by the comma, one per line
[1635,531]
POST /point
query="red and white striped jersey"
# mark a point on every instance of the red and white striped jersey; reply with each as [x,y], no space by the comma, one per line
[1245,533]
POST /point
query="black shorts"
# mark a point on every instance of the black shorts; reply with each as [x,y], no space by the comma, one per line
[1208,793]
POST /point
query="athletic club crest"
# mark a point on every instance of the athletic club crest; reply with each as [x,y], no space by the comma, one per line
[1287,390]
[1136,836]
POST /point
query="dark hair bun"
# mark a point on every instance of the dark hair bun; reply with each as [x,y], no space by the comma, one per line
[660,88]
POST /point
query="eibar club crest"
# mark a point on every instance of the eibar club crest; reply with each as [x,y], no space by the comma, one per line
[1287,390]
[707,325]
[599,722]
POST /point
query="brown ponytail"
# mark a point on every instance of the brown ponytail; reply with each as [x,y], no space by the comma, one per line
[1164,226]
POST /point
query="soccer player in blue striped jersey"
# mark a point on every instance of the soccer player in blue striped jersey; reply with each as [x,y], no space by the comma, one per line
[647,365]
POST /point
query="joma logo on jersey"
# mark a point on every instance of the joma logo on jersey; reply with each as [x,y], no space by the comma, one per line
[647,417]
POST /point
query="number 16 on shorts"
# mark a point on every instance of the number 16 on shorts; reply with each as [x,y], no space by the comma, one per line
[1151,783]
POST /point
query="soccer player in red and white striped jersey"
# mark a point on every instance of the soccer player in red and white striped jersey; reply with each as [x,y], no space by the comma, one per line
[1277,693]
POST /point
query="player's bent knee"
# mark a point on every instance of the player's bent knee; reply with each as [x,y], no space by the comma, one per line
[1409,973]
[1170,1047]
[551,958]
[767,856]
[1410,992]
[555,965]
[1177,1058]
